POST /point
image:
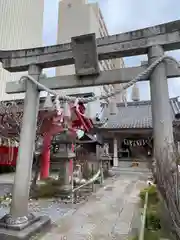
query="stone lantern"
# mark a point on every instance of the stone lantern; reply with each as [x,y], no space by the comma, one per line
[105,157]
[62,155]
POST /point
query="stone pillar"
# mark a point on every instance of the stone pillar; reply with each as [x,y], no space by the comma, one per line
[64,175]
[19,207]
[71,168]
[161,112]
[98,152]
[45,158]
[98,157]
[115,154]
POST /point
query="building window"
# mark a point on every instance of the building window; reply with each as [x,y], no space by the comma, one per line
[103,28]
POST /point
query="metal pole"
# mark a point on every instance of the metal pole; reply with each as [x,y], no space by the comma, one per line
[142,229]
[102,175]
[72,183]
[19,207]
[72,174]
[161,113]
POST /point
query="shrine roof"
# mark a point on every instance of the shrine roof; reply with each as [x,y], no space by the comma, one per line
[89,138]
[135,115]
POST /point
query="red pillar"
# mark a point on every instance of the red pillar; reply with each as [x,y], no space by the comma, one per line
[45,158]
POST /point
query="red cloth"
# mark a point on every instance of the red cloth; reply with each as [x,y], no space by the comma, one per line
[8,155]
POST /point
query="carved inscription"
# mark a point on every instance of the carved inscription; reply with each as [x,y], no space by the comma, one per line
[133,44]
[147,32]
[136,44]
[142,33]
[85,55]
[86,58]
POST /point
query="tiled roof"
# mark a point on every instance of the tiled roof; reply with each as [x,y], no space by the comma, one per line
[136,115]
[89,138]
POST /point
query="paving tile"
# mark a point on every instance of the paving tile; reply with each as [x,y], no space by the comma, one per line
[107,215]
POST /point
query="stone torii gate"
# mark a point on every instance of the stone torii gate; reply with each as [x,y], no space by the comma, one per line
[84,52]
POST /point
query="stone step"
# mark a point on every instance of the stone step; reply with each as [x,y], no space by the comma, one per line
[131,169]
[64,194]
[85,189]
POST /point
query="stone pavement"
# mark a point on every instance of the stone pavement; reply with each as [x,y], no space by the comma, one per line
[107,215]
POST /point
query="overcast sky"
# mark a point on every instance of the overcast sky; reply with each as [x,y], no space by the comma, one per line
[123,16]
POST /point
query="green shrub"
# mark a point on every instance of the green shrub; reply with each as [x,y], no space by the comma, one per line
[153,221]
[53,182]
[152,195]
[46,191]
[153,213]
[152,235]
[133,238]
[49,189]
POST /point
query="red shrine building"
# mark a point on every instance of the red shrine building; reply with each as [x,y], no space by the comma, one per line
[49,124]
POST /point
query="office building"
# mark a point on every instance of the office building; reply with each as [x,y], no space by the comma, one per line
[21,26]
[78,17]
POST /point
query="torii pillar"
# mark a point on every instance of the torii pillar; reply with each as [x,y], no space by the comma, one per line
[19,223]
[161,112]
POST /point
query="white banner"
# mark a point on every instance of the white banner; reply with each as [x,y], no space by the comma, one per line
[135,143]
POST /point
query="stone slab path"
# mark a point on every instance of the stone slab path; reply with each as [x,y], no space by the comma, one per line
[107,215]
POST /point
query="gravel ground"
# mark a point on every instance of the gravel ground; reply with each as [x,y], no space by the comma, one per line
[53,208]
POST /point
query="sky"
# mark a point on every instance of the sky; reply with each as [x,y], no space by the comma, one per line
[122,16]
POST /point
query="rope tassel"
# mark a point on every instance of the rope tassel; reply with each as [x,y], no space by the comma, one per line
[58,106]
[67,110]
[87,111]
[48,104]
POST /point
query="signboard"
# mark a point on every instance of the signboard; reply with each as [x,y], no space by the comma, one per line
[85,55]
